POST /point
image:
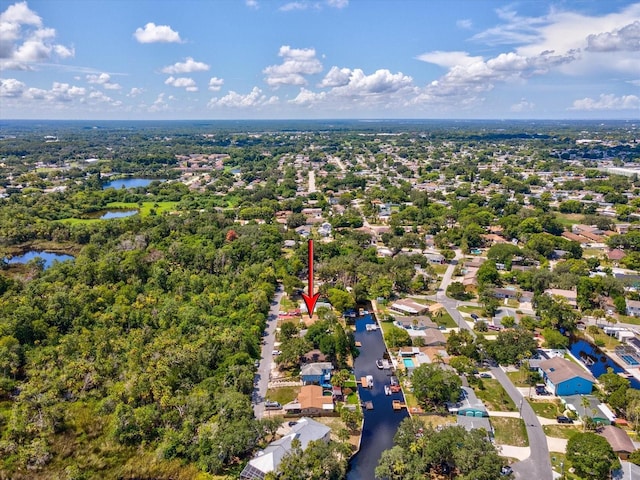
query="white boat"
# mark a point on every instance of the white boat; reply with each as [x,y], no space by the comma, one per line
[371,326]
[370,381]
[380,363]
[386,364]
[387,390]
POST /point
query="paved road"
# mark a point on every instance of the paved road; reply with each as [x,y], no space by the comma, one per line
[261,380]
[538,465]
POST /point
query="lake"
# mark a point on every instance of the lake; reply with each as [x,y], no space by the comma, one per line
[129,183]
[48,257]
[381,423]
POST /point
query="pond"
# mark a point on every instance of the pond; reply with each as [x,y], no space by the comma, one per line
[129,183]
[596,361]
[48,257]
[381,423]
[109,214]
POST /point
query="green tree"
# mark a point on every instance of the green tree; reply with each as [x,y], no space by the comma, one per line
[397,337]
[433,385]
[512,345]
[591,456]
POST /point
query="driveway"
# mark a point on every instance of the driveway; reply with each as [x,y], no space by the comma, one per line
[261,379]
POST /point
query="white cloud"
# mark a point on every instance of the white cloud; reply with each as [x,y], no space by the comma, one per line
[152,33]
[24,40]
[607,102]
[135,91]
[626,38]
[464,24]
[188,84]
[336,77]
[160,104]
[522,106]
[448,59]
[338,3]
[103,79]
[288,7]
[188,66]
[255,98]
[252,3]
[11,88]
[297,63]
[307,97]
[215,84]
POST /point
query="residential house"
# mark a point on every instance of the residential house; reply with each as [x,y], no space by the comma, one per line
[507,293]
[633,308]
[436,258]
[564,377]
[407,306]
[469,405]
[419,322]
[305,431]
[311,401]
[616,255]
[619,441]
[316,373]
[571,296]
[597,411]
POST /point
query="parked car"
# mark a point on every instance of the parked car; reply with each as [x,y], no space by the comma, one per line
[276,352]
[272,405]
[564,419]
[485,375]
[474,316]
[506,470]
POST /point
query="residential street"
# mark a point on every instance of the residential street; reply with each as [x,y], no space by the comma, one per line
[538,465]
[261,380]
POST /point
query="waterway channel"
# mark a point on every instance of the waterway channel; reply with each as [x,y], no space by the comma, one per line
[597,361]
[381,423]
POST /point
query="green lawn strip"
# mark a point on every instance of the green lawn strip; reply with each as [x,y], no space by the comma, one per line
[445,320]
[470,309]
[440,269]
[560,465]
[561,431]
[516,379]
[494,396]
[631,320]
[547,409]
[145,209]
[283,395]
[510,431]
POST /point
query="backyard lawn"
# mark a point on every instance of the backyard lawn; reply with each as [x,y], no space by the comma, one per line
[561,431]
[546,409]
[560,464]
[510,431]
[494,396]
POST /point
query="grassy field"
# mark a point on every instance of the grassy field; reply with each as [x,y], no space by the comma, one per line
[470,309]
[516,379]
[510,431]
[145,209]
[283,394]
[495,397]
[445,320]
[440,269]
[560,464]
[627,319]
[569,219]
[561,431]
[546,409]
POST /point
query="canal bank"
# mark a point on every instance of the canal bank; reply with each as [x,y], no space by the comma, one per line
[381,423]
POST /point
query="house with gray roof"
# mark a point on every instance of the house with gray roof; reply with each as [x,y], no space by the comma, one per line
[564,377]
[305,431]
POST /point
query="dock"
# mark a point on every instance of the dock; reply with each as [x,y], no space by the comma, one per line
[398,405]
[368,405]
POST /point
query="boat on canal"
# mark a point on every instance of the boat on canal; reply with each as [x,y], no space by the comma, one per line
[387,390]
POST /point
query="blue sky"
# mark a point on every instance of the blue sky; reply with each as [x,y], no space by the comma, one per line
[228,59]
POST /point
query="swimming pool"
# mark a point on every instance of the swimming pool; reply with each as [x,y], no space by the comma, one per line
[630,360]
[408,363]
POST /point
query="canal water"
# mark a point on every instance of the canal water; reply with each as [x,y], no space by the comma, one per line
[381,423]
[596,361]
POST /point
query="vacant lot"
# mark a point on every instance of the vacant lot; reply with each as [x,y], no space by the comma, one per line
[510,431]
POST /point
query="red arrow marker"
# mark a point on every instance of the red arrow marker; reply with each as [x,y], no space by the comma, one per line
[310,299]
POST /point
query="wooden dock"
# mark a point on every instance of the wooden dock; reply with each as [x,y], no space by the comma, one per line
[398,405]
